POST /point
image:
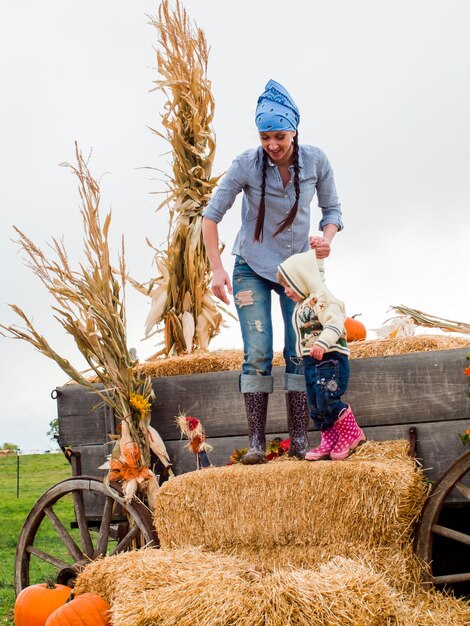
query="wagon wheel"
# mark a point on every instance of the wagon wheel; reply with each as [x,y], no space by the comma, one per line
[57,532]
[429,526]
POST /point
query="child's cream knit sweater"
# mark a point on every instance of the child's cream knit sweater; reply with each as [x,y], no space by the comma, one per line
[319,317]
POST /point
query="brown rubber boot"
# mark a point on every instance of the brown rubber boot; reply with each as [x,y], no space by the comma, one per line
[256,405]
[298,416]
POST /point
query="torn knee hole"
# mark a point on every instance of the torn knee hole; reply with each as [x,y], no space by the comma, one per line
[243,298]
[256,325]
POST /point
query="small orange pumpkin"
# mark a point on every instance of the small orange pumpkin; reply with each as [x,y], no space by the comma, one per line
[35,603]
[87,609]
[355,330]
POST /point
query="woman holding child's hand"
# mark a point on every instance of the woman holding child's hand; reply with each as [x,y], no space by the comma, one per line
[279,180]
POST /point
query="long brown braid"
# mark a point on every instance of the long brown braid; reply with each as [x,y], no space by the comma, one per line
[287,221]
[258,236]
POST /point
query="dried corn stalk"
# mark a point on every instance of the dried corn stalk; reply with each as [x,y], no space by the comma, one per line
[181,297]
[431,321]
[90,306]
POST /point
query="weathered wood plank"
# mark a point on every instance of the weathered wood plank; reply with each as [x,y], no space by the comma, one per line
[388,394]
[91,458]
[411,388]
[418,387]
[81,421]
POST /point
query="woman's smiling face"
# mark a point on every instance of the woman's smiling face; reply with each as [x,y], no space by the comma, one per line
[278,145]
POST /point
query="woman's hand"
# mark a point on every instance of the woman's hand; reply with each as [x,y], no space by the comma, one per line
[317,352]
[321,246]
[221,285]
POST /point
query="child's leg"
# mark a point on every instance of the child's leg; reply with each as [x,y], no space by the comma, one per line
[329,437]
[332,377]
[311,384]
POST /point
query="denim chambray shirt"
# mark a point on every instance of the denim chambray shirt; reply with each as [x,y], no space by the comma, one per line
[245,175]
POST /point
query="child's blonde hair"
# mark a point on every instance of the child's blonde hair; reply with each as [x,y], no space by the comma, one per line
[281,280]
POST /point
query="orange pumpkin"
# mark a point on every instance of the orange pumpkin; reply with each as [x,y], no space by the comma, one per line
[34,604]
[355,330]
[87,609]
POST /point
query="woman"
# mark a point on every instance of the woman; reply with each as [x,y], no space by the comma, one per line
[278,181]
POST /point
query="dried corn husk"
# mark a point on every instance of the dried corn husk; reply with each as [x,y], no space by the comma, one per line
[157,446]
[431,321]
[182,59]
[188,330]
[90,306]
[203,331]
[159,297]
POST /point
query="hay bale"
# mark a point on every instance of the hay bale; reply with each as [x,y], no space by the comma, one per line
[294,508]
[434,608]
[151,569]
[201,362]
[406,345]
[340,593]
[168,587]
[289,543]
[187,587]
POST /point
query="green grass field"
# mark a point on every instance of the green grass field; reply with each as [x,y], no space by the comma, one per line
[37,474]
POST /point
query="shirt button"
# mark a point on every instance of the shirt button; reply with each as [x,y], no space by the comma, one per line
[286,195]
[289,246]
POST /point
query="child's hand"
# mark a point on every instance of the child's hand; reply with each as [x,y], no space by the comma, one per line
[321,246]
[317,352]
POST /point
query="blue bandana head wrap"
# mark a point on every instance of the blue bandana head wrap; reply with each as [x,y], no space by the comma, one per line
[276,110]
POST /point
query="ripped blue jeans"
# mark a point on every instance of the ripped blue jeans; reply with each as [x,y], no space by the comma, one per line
[327,380]
[252,296]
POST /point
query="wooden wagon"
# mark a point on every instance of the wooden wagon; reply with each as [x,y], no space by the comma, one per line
[419,396]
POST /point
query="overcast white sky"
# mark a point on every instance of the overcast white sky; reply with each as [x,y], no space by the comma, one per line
[383,88]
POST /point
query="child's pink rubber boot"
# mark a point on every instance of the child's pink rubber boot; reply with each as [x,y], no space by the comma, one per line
[350,435]
[328,441]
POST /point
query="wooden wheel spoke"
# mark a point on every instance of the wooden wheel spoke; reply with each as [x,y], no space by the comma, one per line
[44,556]
[103,535]
[126,540]
[451,534]
[451,578]
[80,489]
[430,528]
[463,489]
[66,539]
[79,508]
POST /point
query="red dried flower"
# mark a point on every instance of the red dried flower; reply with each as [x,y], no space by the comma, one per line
[193,423]
[285,445]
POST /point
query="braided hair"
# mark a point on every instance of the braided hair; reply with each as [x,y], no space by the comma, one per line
[287,221]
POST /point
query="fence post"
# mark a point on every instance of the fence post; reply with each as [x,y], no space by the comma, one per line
[17,472]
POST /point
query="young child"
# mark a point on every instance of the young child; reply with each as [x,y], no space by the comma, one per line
[318,321]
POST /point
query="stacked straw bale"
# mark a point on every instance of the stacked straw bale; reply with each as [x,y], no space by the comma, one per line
[301,514]
[190,587]
[289,543]
[202,361]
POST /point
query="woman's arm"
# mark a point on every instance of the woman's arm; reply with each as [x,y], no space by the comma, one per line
[328,202]
[220,279]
